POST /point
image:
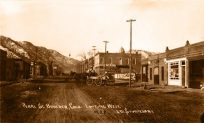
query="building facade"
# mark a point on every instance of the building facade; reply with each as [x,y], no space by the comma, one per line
[183,66]
[157,69]
[3,58]
[38,70]
[17,69]
[116,62]
[112,62]
[186,65]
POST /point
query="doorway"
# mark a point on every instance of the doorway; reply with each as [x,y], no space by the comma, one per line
[196,73]
[156,75]
[183,75]
[144,73]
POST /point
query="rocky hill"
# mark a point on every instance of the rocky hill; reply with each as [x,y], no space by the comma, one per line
[145,54]
[29,52]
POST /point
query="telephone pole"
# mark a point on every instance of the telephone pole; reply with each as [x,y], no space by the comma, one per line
[105,54]
[35,63]
[130,67]
[94,49]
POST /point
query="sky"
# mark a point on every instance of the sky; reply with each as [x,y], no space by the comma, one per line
[74,26]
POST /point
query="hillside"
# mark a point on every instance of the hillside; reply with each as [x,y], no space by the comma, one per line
[145,54]
[29,52]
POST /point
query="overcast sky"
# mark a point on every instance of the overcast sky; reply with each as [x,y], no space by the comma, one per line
[74,26]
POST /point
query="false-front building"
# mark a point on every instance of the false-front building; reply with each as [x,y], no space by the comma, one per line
[186,65]
[183,66]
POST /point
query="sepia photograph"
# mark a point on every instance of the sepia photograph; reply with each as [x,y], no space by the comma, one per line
[101,61]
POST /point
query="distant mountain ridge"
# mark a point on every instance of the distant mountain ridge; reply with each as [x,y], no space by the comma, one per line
[29,52]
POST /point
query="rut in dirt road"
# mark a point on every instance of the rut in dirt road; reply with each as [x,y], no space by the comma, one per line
[67,103]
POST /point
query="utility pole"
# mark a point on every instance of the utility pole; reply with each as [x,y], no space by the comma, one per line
[130,67]
[94,49]
[35,62]
[69,59]
[105,54]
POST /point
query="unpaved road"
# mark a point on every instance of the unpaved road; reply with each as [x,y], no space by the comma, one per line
[68,103]
[51,103]
[71,103]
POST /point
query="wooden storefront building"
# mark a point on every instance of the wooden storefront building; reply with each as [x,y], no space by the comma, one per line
[183,66]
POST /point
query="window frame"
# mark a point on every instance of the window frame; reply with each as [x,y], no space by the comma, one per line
[174,71]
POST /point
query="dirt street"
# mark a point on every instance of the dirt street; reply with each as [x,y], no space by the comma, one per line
[73,108]
[71,103]
[50,103]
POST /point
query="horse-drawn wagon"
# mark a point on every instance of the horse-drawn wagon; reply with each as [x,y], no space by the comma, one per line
[104,79]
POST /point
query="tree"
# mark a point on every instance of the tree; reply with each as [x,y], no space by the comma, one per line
[83,56]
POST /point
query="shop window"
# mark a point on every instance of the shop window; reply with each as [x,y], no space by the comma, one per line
[174,70]
[183,63]
[127,61]
[144,70]
[109,61]
[134,61]
[156,71]
[120,61]
[101,60]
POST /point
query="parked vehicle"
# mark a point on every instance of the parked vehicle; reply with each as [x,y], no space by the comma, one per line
[104,79]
